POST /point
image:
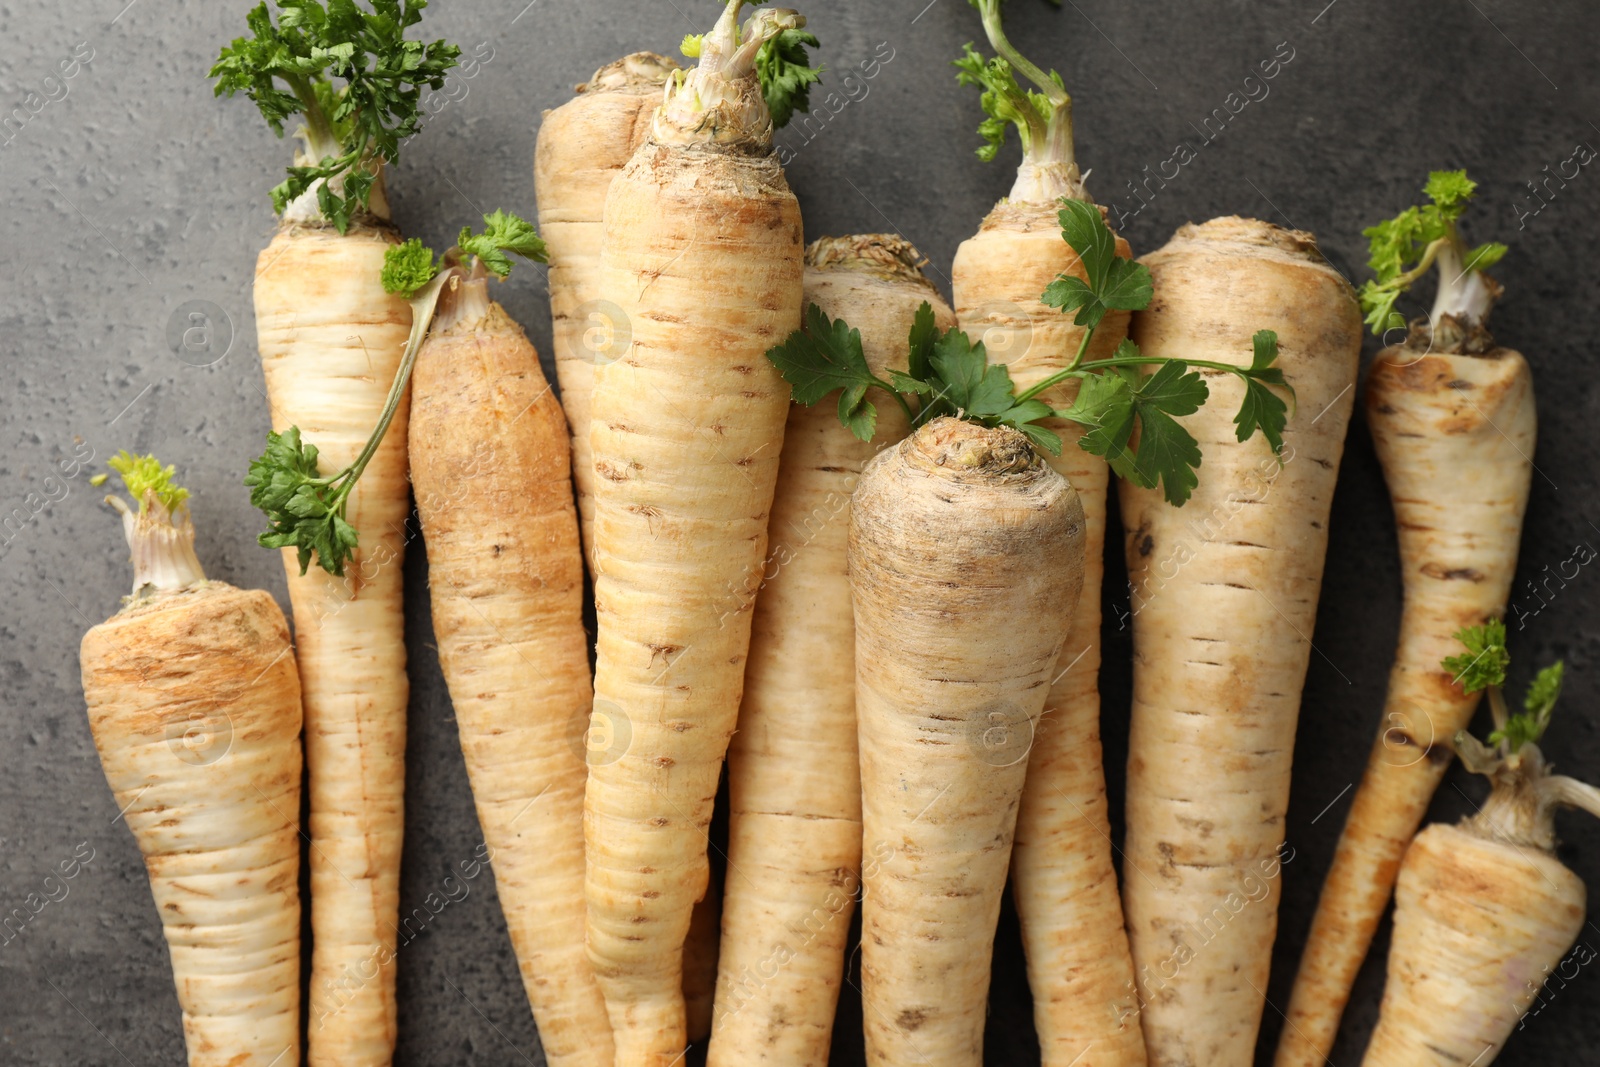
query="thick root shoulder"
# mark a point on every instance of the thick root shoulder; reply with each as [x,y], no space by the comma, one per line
[1478,925]
[1224,599]
[194,703]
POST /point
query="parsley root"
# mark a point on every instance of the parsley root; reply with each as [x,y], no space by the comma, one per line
[702,255]
[966,563]
[1064,884]
[1483,909]
[582,145]
[490,463]
[194,704]
[794,849]
[1453,421]
[1225,596]
[332,344]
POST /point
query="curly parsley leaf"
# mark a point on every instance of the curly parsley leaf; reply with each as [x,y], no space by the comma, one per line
[1004,102]
[503,232]
[1449,190]
[289,68]
[305,511]
[407,267]
[1485,660]
[145,474]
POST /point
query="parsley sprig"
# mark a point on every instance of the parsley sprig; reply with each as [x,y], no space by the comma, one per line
[1404,248]
[288,68]
[1129,417]
[782,66]
[1482,667]
[946,374]
[306,510]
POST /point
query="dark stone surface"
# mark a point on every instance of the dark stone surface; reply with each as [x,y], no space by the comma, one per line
[137,192]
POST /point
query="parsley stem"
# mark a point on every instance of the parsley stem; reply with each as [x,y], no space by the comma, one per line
[1061,376]
[911,419]
[1076,371]
[990,11]
[320,139]
[422,306]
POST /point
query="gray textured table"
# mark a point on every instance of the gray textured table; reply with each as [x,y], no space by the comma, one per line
[128,191]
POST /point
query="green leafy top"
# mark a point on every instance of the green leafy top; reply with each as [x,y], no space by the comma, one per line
[787,75]
[409,266]
[305,511]
[145,474]
[1005,103]
[502,232]
[946,374]
[1483,667]
[350,127]
[1405,247]
[783,68]
[1042,115]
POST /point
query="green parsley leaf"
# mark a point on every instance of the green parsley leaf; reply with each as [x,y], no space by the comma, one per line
[1262,409]
[1104,406]
[824,356]
[858,416]
[1485,256]
[1529,725]
[786,75]
[1113,403]
[145,474]
[1169,452]
[1378,303]
[503,232]
[407,267]
[924,331]
[305,511]
[1113,282]
[1543,691]
[1485,661]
